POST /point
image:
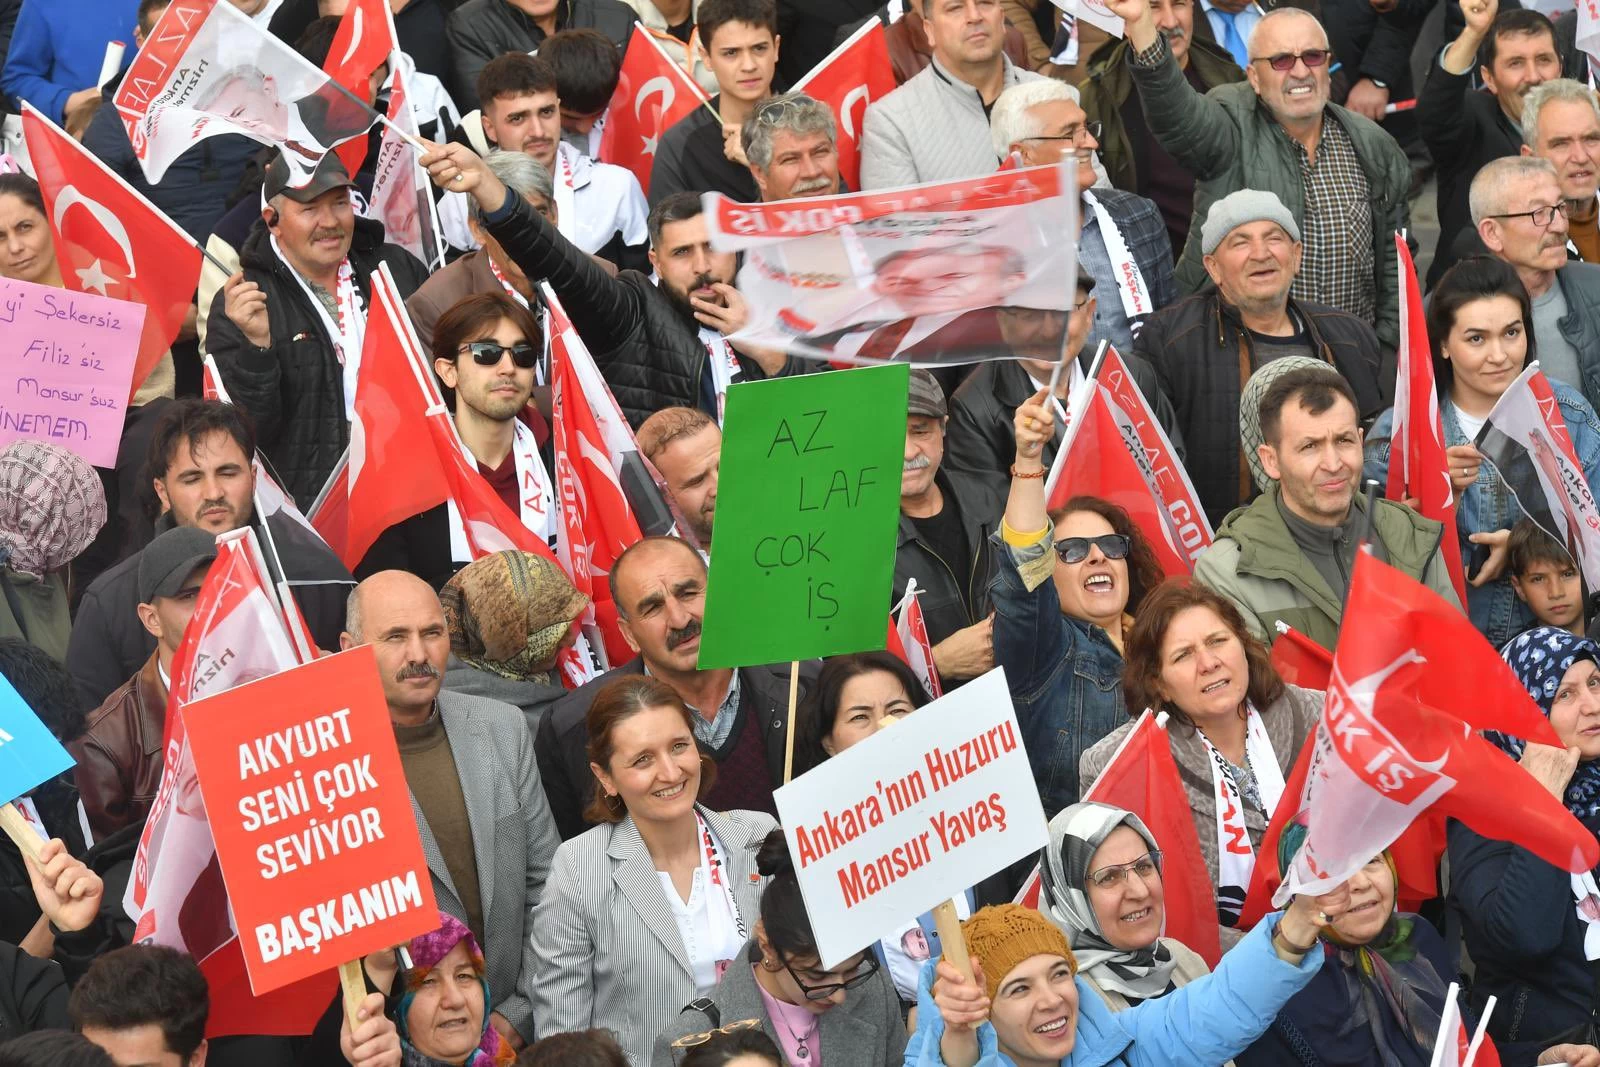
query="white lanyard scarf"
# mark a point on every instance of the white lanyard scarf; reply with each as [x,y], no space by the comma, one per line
[1587,894]
[1136,301]
[539,375]
[725,369]
[348,332]
[721,908]
[537,503]
[1236,859]
[562,179]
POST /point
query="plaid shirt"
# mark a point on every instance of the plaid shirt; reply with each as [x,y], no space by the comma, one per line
[1337,267]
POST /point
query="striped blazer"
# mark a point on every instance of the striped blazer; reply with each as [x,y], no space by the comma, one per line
[606,946]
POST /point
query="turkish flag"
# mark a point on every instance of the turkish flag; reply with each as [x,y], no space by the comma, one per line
[652,93]
[1143,778]
[362,43]
[912,644]
[112,241]
[1417,465]
[1300,660]
[851,77]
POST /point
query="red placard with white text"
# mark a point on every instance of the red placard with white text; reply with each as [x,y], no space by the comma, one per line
[308,805]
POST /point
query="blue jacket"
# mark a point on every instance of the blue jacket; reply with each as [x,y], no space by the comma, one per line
[1201,1024]
[1488,505]
[57,48]
[1065,675]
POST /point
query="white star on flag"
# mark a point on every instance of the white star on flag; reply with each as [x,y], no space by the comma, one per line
[94,278]
[650,145]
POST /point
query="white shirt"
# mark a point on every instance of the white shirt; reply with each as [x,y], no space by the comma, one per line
[708,937]
[1470,425]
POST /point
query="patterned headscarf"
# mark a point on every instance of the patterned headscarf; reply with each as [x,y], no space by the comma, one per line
[508,614]
[1540,659]
[426,952]
[1250,436]
[1076,833]
[51,506]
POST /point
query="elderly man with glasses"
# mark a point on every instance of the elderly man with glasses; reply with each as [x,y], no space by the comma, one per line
[1343,179]
[1518,208]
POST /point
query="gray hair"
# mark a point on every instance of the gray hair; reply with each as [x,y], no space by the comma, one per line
[1490,190]
[352,615]
[1009,121]
[518,171]
[1549,92]
[797,113]
[1281,13]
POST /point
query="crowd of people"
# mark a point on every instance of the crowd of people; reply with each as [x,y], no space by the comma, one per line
[613,887]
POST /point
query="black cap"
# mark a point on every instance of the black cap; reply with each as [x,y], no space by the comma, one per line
[330,174]
[168,561]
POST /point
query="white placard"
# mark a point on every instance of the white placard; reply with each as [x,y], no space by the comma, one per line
[912,816]
[1094,12]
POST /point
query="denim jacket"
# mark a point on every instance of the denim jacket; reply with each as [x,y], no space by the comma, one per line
[1065,675]
[1487,505]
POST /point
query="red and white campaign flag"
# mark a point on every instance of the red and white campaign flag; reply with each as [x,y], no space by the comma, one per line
[363,42]
[207,69]
[1300,660]
[1526,440]
[175,892]
[1417,465]
[110,240]
[402,197]
[851,77]
[1382,757]
[947,272]
[1096,459]
[1588,38]
[589,437]
[1451,1045]
[652,94]
[915,648]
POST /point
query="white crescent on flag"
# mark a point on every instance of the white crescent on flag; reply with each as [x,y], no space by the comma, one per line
[847,110]
[669,93]
[357,26]
[93,277]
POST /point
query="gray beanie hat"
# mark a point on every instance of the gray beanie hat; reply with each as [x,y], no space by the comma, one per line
[1250,436]
[1238,208]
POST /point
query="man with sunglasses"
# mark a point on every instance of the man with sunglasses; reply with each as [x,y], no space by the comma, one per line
[1344,180]
[1521,215]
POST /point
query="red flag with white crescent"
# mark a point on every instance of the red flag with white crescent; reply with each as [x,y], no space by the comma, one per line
[362,43]
[911,633]
[851,77]
[111,240]
[652,94]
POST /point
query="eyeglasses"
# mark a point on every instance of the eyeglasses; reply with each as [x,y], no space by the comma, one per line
[1147,866]
[1072,133]
[865,970]
[691,1040]
[1542,216]
[1076,549]
[1311,57]
[489,353]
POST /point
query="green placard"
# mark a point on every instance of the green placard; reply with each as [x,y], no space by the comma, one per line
[808,504]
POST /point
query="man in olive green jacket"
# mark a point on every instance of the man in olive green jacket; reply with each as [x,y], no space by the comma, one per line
[1277,132]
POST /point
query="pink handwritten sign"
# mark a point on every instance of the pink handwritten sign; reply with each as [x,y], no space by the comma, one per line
[66,364]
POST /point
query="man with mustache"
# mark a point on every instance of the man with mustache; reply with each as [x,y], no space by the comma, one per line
[1521,215]
[287,335]
[1464,128]
[1561,123]
[469,765]
[791,142]
[1343,179]
[741,716]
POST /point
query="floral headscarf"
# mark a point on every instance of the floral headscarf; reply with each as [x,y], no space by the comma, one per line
[51,507]
[426,952]
[508,614]
[1540,658]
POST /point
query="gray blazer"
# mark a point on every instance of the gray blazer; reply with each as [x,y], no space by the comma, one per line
[865,1031]
[513,836]
[606,947]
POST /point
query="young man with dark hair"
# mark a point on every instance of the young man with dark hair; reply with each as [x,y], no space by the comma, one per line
[586,66]
[1287,556]
[702,153]
[145,1005]
[201,471]
[1545,578]
[599,207]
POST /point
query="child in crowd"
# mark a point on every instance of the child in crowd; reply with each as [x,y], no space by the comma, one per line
[1546,579]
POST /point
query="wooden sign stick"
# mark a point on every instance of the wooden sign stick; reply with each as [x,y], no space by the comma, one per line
[19,830]
[951,938]
[788,738]
[353,984]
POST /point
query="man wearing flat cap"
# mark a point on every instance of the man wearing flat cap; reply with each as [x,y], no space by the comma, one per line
[120,753]
[1205,347]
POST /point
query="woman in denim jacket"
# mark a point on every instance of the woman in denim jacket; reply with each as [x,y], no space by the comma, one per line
[1480,325]
[1059,615]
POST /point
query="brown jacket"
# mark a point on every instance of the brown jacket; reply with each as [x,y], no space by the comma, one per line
[468,275]
[1021,14]
[119,755]
[910,52]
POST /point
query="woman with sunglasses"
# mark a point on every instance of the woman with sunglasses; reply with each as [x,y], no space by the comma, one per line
[1480,326]
[1062,591]
[486,351]
[844,1016]
[1236,728]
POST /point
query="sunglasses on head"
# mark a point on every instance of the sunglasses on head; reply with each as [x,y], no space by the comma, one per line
[1076,549]
[1311,57]
[489,353]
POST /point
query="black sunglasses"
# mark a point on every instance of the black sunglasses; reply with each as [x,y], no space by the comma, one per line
[489,353]
[1311,57]
[867,968]
[1076,549]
